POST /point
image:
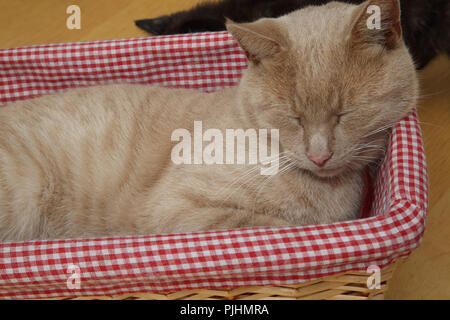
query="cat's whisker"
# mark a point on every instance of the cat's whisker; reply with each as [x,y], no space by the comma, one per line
[370,150]
[366,161]
[362,157]
[432,94]
[251,171]
[288,165]
[284,170]
[431,124]
[386,127]
[368,146]
[266,178]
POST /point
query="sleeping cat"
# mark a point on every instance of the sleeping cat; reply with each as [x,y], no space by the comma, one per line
[425,23]
[97,161]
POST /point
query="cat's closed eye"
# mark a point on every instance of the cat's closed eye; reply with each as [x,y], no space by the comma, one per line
[342,115]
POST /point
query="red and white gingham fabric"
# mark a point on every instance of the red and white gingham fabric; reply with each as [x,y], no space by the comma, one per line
[164,263]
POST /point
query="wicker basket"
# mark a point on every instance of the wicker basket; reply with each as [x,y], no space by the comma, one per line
[299,262]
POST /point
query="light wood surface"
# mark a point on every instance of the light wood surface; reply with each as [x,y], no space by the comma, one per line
[426,273]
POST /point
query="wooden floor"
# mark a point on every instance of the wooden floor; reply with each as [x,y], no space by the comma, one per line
[426,273]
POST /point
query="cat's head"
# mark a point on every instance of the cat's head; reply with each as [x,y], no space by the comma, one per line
[328,81]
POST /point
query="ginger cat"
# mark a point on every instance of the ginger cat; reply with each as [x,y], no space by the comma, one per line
[98,161]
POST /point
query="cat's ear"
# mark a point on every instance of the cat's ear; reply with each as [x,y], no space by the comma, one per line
[377,22]
[257,39]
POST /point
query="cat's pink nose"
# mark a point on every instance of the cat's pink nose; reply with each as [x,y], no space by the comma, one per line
[320,159]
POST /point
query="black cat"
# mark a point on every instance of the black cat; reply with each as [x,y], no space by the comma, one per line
[425,23]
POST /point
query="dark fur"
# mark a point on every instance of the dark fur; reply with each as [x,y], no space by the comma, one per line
[425,23]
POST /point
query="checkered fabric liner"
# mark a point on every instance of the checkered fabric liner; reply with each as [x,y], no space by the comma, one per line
[217,259]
